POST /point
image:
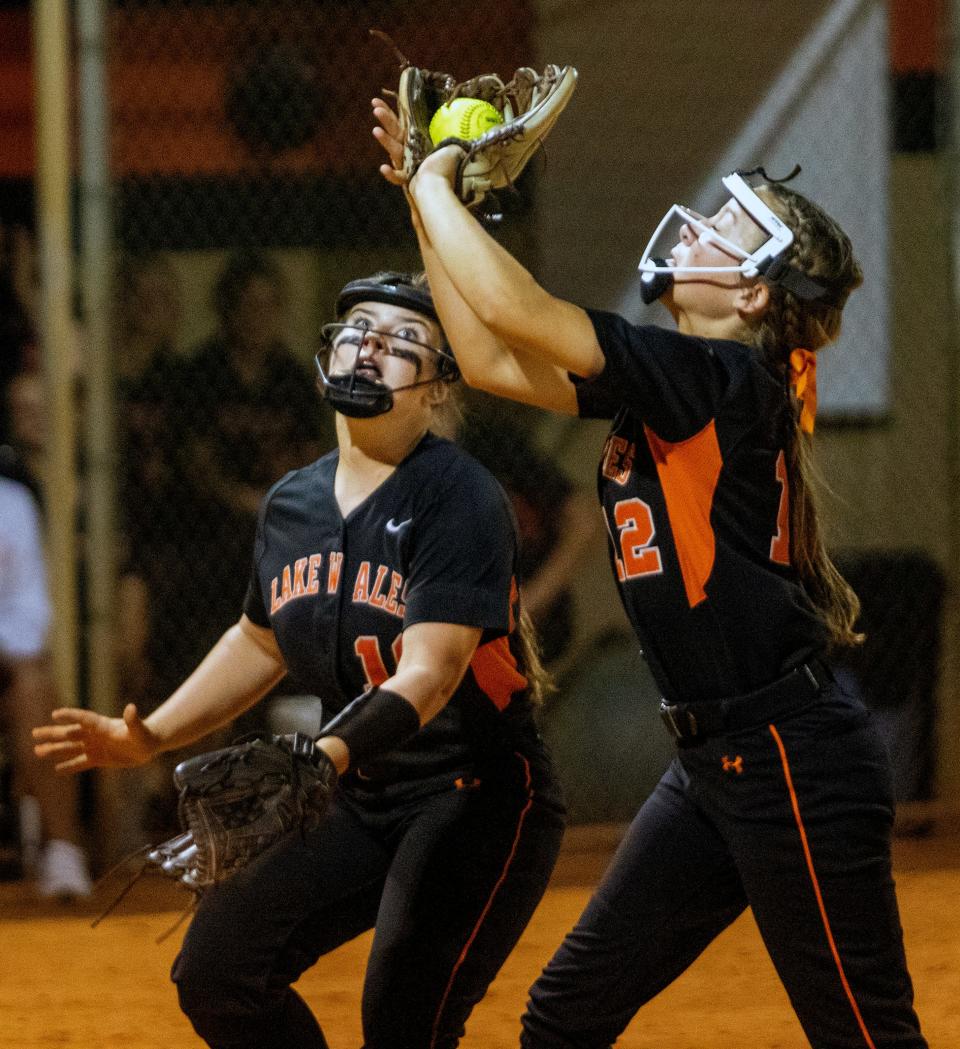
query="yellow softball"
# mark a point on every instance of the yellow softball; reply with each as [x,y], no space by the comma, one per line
[465,118]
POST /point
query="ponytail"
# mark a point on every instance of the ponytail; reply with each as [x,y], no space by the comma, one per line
[822,251]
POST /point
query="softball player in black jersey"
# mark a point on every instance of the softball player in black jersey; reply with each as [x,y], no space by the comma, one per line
[780,795]
[383,571]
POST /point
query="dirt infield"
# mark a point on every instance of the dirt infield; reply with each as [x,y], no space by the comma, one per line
[64,984]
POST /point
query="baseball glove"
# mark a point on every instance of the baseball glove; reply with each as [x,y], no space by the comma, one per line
[236,802]
[529,102]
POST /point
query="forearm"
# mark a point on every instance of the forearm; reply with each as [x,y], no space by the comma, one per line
[479,352]
[502,293]
[490,280]
[234,675]
[486,361]
[435,657]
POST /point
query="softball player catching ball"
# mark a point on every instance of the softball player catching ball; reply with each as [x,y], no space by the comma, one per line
[780,794]
[383,571]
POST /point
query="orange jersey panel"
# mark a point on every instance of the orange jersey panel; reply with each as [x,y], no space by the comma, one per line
[689,471]
[495,670]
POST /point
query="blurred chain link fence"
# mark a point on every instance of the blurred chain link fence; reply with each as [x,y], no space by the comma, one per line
[246,193]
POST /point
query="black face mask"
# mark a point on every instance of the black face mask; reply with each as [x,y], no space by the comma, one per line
[653,285]
[354,395]
[361,397]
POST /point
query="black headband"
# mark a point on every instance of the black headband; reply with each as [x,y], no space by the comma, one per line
[417,299]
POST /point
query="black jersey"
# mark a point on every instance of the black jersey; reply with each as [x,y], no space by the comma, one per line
[435,542]
[694,489]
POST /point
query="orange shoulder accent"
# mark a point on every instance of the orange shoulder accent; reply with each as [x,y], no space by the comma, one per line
[495,669]
[689,471]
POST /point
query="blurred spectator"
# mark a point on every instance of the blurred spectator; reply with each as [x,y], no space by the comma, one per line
[555,521]
[29,695]
[255,412]
[153,394]
[151,376]
[207,434]
[49,824]
[23,454]
[17,354]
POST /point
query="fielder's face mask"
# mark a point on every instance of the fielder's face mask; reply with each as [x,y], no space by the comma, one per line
[360,395]
[766,261]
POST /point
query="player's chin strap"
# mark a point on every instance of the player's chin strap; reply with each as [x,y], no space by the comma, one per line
[655,281]
[358,396]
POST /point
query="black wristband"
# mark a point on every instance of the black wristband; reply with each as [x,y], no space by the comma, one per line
[375,722]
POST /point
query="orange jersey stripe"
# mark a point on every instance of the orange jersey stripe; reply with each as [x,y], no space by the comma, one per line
[816,887]
[495,670]
[689,471]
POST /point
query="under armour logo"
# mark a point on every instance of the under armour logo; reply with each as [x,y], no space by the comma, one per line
[736,765]
[393,527]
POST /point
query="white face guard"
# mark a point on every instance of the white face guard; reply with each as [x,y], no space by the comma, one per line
[657,274]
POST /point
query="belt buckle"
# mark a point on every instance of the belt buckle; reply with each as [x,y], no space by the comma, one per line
[681,723]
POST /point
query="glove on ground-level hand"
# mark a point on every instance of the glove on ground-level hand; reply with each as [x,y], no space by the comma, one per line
[236,802]
[530,104]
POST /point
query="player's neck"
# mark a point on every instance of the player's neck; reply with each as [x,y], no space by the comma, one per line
[708,327]
[369,452]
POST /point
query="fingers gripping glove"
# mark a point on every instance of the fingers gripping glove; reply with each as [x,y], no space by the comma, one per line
[236,802]
[530,104]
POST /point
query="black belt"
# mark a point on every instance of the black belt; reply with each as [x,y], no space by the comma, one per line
[784,696]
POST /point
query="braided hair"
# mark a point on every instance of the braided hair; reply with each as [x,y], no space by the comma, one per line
[820,250]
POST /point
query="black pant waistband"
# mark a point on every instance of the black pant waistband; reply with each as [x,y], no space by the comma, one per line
[686,721]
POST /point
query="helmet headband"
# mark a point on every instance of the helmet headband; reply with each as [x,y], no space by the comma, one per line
[417,299]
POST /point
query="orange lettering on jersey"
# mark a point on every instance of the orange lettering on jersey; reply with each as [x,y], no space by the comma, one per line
[299,574]
[634,521]
[367,649]
[334,565]
[361,588]
[689,471]
[313,576]
[300,579]
[396,581]
[286,591]
[618,455]
[377,599]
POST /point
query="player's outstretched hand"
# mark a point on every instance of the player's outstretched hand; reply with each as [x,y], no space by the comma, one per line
[388,134]
[441,161]
[82,739]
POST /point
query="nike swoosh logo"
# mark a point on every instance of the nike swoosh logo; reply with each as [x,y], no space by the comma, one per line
[393,527]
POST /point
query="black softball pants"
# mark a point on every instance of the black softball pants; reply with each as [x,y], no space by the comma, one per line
[449,882]
[791,818]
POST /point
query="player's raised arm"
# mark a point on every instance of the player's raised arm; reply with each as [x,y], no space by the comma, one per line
[502,293]
[488,360]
